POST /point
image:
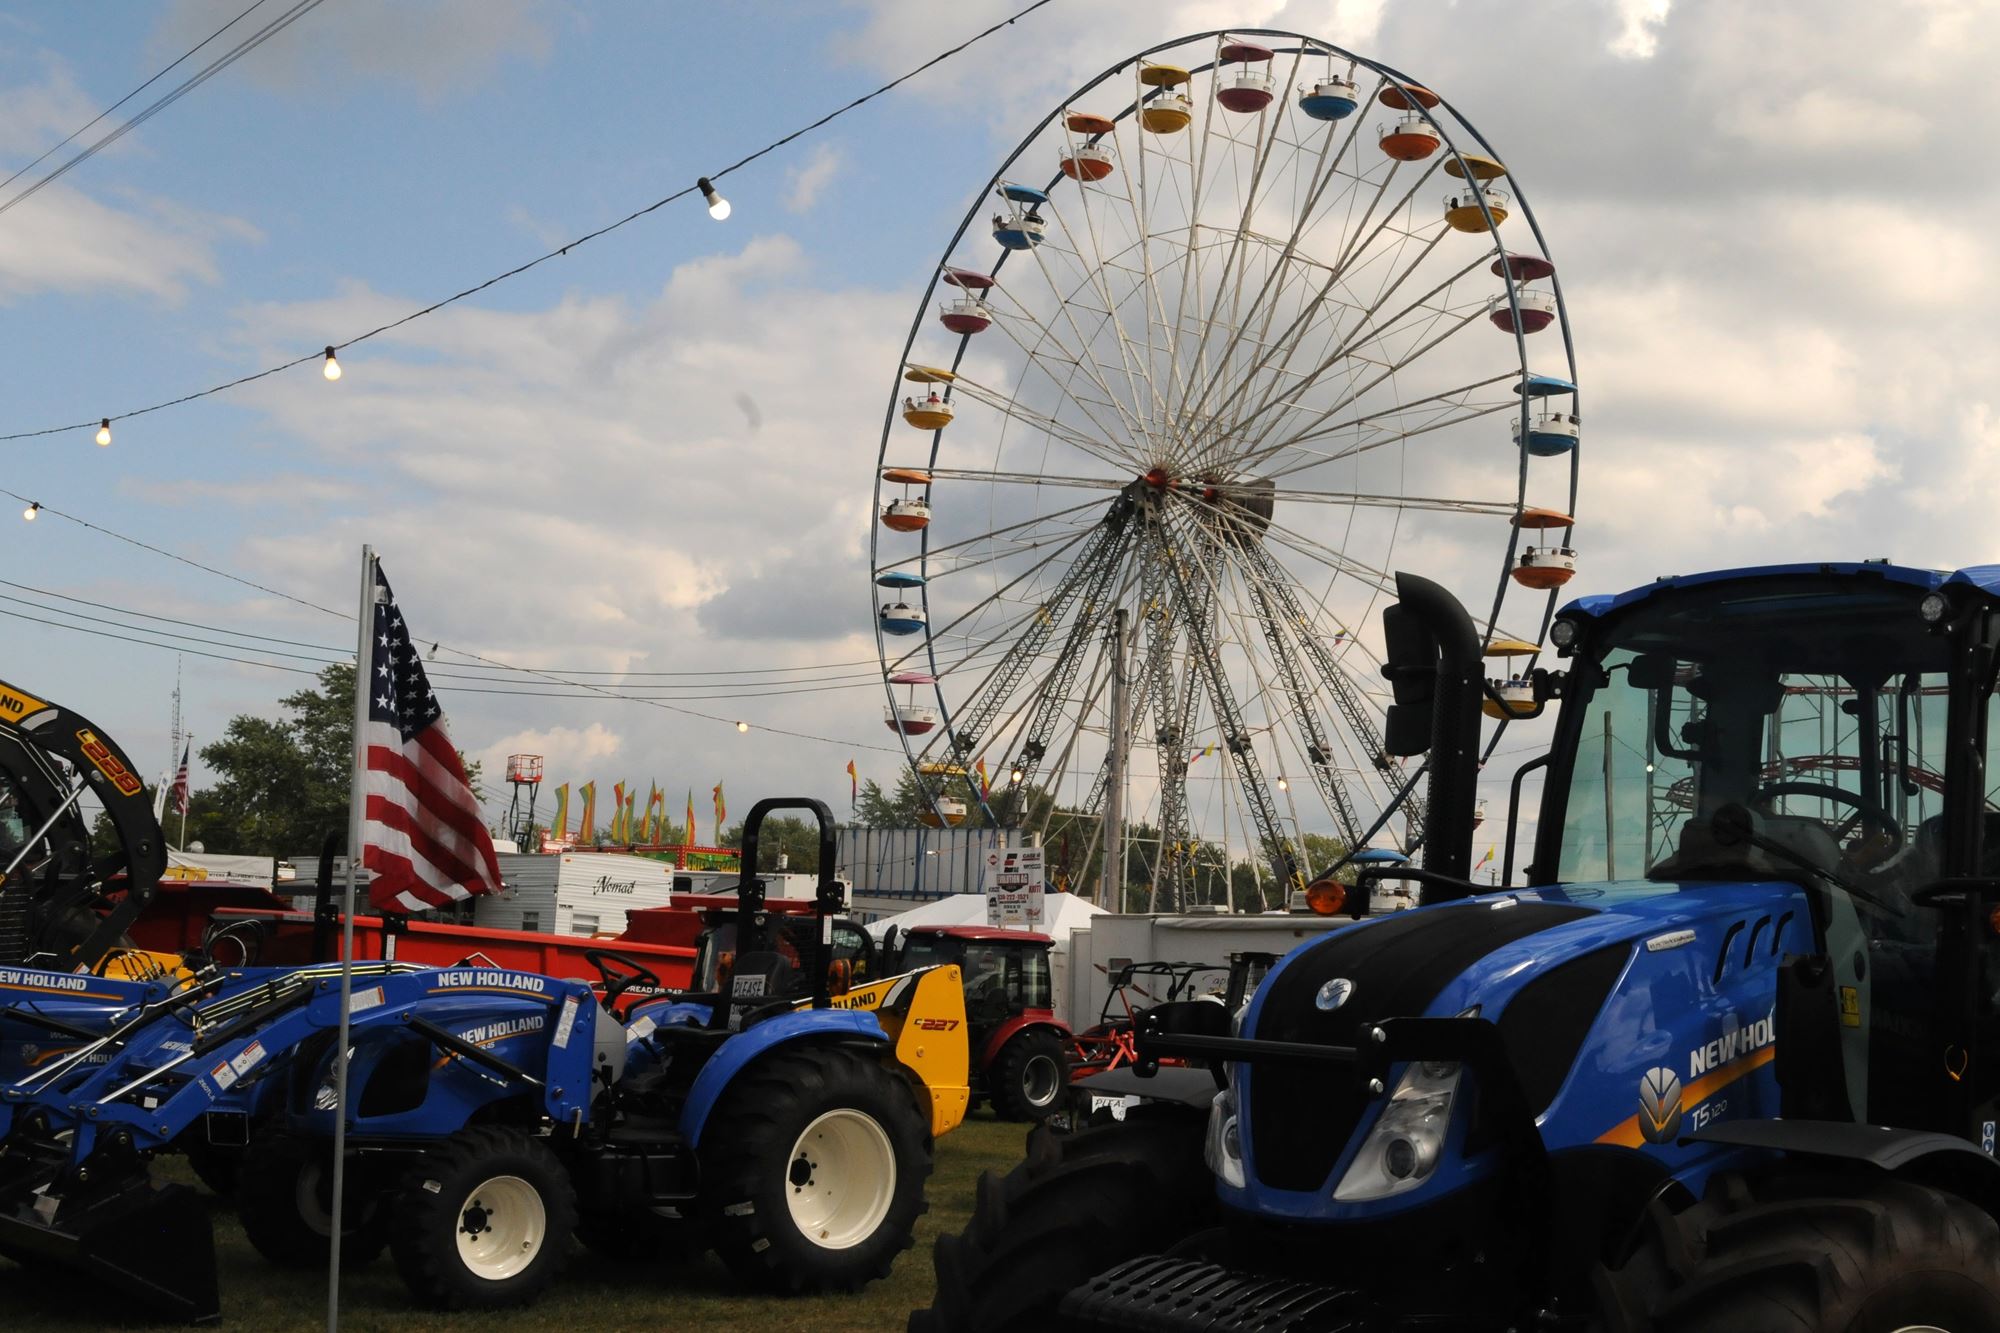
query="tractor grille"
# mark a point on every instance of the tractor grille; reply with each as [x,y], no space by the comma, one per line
[1302,1116]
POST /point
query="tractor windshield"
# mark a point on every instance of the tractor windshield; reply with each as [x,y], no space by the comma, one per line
[1818,704]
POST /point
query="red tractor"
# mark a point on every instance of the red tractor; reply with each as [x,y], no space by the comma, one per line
[1020,1051]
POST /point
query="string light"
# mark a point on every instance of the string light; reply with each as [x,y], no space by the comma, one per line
[34,508]
[332,368]
[1283,785]
[104,431]
[1015,776]
[718,207]
[743,726]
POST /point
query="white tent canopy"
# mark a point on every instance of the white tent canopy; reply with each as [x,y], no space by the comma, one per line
[1063,912]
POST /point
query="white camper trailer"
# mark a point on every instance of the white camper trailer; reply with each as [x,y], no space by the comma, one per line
[574,893]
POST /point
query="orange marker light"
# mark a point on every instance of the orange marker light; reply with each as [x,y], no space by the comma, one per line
[1326,896]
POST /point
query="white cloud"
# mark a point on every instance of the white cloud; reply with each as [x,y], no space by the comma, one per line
[1640,22]
[811,177]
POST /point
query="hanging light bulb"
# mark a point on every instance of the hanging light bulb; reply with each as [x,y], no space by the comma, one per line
[34,508]
[332,368]
[1284,785]
[743,726]
[718,207]
[1016,775]
[104,431]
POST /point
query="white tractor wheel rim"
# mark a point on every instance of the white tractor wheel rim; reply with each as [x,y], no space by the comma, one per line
[840,1179]
[501,1227]
[1039,1081]
[314,1210]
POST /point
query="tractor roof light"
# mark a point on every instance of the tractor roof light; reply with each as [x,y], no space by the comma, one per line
[1933,608]
[1563,634]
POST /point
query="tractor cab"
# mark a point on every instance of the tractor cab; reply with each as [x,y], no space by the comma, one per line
[1021,1053]
[795,937]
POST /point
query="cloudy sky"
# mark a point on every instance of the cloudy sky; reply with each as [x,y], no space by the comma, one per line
[656,454]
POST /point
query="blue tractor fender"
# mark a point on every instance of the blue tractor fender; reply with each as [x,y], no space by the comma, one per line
[1944,1161]
[744,1049]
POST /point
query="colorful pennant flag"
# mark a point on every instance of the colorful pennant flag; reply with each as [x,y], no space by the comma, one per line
[586,824]
[687,834]
[618,831]
[985,789]
[559,822]
[721,813]
[853,784]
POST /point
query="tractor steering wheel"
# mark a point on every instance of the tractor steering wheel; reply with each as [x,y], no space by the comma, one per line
[1770,791]
[619,973]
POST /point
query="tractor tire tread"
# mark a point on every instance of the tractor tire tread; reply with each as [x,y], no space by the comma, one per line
[424,1225]
[1077,1204]
[267,1174]
[1006,1077]
[760,1115]
[1809,1253]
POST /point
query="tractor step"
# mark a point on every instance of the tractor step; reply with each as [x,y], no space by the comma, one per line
[1158,1295]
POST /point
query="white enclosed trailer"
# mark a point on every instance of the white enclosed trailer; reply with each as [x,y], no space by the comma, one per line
[573,893]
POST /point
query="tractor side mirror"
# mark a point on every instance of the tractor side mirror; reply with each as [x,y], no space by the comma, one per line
[1651,671]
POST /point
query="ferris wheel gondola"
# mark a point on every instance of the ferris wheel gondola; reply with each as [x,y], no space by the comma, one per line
[1227,358]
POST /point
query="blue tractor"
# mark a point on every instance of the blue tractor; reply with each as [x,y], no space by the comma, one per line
[1729,1061]
[491,1115]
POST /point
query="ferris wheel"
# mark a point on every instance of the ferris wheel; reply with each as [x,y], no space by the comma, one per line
[1242,325]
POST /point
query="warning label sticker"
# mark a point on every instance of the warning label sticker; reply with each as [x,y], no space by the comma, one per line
[566,1023]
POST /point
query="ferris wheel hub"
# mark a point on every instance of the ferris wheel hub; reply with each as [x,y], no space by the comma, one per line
[1158,478]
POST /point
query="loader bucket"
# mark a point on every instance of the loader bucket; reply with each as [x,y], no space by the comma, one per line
[151,1247]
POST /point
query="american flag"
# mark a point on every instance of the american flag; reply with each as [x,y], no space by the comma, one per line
[180,789]
[421,834]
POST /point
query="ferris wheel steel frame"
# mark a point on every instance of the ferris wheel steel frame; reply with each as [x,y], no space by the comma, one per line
[1168,589]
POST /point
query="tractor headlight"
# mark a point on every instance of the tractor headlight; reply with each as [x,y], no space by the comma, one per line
[1224,1150]
[1403,1147]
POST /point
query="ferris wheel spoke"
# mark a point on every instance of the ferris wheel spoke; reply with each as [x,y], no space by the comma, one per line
[1147,404]
[1360,499]
[1279,604]
[1310,458]
[1293,339]
[1110,443]
[1230,284]
[1366,332]
[1384,373]
[1131,415]
[1102,447]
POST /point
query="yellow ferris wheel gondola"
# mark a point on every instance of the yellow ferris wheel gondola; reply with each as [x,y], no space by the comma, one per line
[1170,111]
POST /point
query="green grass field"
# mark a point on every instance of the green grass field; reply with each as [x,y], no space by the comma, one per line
[594,1294]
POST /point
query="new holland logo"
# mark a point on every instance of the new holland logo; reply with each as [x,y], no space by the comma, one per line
[1334,994]
[1660,1105]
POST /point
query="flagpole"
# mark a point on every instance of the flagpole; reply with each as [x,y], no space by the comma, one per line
[185,796]
[355,812]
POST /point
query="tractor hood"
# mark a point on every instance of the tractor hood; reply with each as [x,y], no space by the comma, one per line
[1595,988]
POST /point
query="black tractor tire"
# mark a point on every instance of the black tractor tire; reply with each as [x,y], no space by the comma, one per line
[1028,1076]
[823,1121]
[1079,1204]
[284,1198]
[1825,1253]
[488,1181]
[214,1165]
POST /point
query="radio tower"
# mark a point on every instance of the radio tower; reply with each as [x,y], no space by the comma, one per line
[523,770]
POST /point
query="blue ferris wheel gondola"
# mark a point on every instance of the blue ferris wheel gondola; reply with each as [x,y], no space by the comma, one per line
[902,618]
[1330,99]
[899,578]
